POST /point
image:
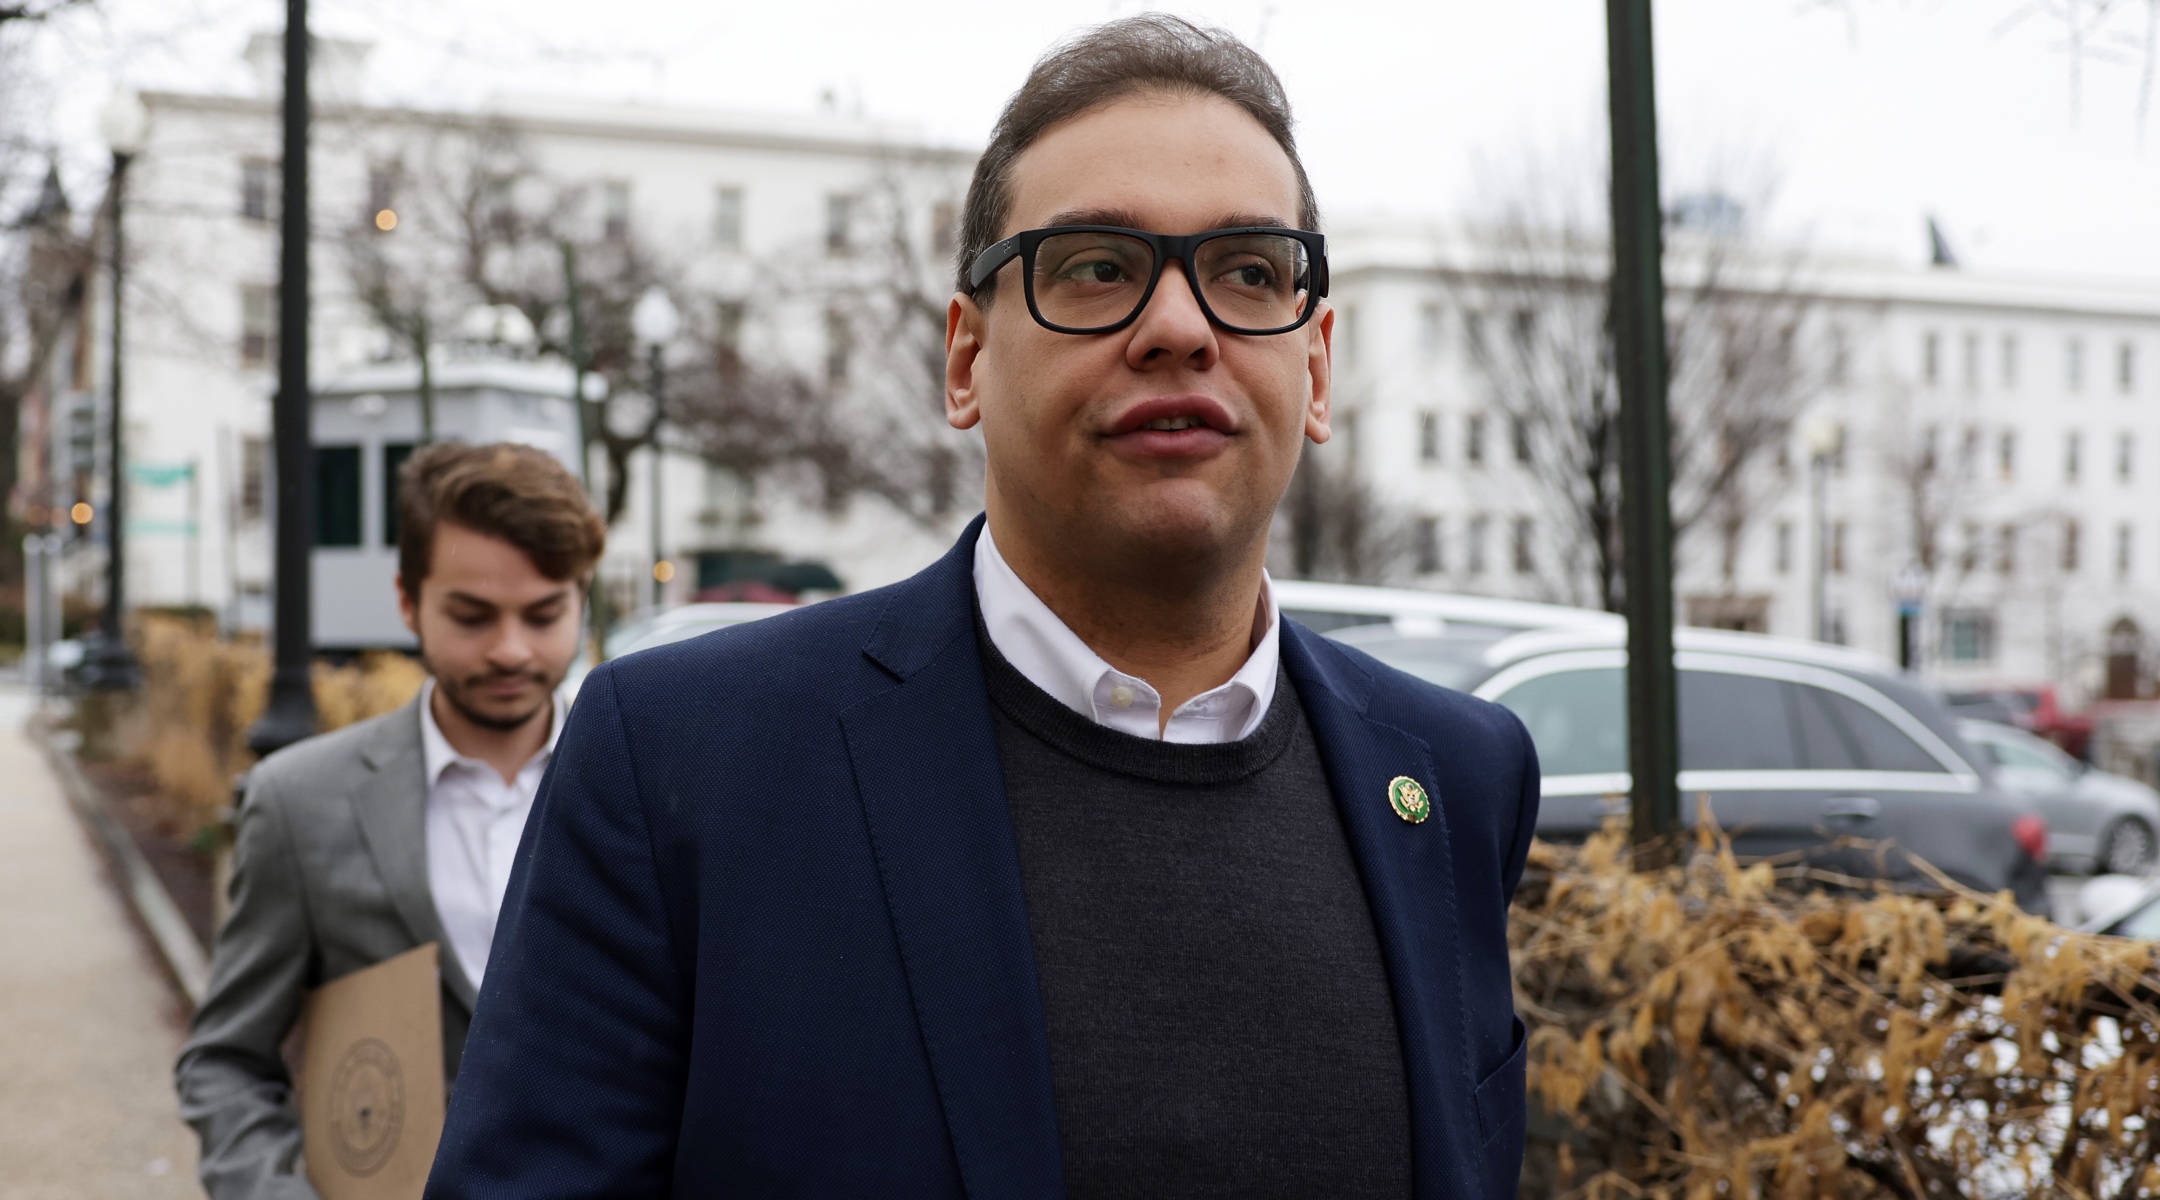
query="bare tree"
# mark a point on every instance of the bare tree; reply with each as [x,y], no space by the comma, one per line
[868,418]
[1538,323]
[1334,526]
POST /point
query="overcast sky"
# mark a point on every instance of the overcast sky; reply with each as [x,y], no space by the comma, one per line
[1871,113]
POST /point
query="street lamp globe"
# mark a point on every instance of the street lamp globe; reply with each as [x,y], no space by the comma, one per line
[654,320]
[1820,434]
[124,123]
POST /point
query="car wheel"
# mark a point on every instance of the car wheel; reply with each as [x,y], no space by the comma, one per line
[2129,849]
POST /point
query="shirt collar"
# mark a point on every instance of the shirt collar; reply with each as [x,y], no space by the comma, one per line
[438,755]
[1051,656]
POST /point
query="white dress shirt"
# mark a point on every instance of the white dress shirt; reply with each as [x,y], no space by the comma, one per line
[1052,657]
[474,821]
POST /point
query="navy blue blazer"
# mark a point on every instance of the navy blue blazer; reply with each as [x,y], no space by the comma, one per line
[766,936]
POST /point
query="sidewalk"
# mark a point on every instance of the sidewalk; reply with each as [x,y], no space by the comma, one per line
[88,1025]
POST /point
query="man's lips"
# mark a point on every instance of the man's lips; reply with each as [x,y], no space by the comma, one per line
[1187,426]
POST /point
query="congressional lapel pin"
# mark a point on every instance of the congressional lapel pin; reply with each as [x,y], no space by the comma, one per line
[1407,797]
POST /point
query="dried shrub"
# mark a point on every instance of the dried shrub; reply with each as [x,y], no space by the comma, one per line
[1705,1032]
[369,686]
[202,692]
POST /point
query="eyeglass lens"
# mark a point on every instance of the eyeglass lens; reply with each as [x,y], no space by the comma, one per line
[1254,282]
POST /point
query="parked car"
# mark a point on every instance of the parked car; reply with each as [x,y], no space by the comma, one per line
[2035,709]
[1800,748]
[647,629]
[2097,822]
[2122,905]
[1325,607]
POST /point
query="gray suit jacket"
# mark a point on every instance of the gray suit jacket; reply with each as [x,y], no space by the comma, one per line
[330,875]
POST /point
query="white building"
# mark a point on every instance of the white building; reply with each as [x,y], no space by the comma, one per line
[717,194]
[2019,419]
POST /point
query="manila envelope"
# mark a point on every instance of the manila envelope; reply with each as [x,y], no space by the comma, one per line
[371,1103]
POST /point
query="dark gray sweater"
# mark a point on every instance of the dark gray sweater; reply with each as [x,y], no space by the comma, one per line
[1219,1016]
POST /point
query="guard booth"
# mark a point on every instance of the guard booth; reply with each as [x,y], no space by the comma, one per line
[366,424]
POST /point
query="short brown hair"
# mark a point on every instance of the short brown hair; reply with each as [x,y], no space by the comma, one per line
[1152,51]
[522,495]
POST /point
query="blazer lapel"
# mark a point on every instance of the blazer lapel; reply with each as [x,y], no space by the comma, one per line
[933,794]
[1410,886]
[390,804]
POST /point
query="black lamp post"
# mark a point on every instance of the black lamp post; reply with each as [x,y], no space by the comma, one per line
[654,321]
[291,712]
[111,666]
[1638,331]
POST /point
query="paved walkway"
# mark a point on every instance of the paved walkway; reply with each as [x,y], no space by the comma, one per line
[88,1025]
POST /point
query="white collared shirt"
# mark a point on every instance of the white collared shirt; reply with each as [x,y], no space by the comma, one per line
[474,821]
[1052,657]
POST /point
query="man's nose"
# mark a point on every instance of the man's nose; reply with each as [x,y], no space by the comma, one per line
[1173,326]
[511,647]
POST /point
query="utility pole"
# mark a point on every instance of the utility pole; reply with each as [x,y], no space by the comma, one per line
[291,712]
[1638,327]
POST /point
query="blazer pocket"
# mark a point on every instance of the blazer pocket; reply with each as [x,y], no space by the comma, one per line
[1501,1095]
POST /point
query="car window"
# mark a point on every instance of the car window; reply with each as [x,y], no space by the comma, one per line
[2010,754]
[1577,719]
[1450,660]
[1838,733]
[1734,723]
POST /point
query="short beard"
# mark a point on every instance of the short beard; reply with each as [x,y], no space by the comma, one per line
[454,694]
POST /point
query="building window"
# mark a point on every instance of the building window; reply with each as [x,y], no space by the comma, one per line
[2074,365]
[1429,557]
[1474,440]
[2125,457]
[258,325]
[839,217]
[727,218]
[1473,336]
[1430,327]
[2006,455]
[1969,551]
[1428,437]
[1931,358]
[2125,541]
[1519,437]
[1837,451]
[254,477]
[1784,547]
[1474,545]
[2126,368]
[2009,361]
[1968,636]
[944,228]
[2006,549]
[1837,547]
[258,183]
[1972,362]
[1969,454]
[615,210]
[1525,560]
[394,455]
[839,346]
[2071,536]
[337,495]
[1930,454]
[1840,357]
[727,326]
[2073,444]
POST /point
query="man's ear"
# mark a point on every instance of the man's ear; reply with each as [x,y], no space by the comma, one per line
[1320,364]
[408,606]
[963,345]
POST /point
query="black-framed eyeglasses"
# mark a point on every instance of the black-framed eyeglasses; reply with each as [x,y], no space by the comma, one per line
[1252,279]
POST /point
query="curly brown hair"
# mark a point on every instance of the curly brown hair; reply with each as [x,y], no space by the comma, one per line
[522,495]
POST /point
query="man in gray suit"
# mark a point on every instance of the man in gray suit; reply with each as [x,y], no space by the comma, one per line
[361,844]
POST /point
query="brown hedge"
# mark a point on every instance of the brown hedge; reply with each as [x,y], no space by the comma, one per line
[1711,1031]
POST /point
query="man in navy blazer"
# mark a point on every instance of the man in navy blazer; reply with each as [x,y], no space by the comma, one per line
[1068,867]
